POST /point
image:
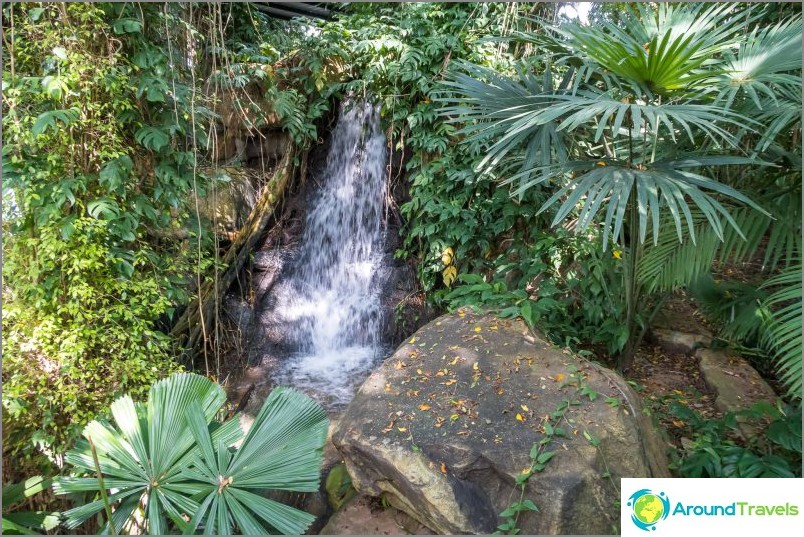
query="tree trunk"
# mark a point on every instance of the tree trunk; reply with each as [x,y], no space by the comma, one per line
[194,326]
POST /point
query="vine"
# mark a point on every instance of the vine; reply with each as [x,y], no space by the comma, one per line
[555,424]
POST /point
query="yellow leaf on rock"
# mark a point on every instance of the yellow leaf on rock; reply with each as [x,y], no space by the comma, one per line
[402,429]
[478,329]
[424,407]
[519,417]
[525,408]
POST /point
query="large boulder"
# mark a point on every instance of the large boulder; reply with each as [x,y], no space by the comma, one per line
[445,426]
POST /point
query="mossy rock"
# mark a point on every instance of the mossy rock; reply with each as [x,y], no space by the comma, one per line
[339,486]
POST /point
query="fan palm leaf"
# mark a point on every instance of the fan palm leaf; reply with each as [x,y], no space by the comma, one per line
[282,451]
[659,49]
[764,63]
[150,459]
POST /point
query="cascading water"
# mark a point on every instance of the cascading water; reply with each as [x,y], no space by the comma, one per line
[330,303]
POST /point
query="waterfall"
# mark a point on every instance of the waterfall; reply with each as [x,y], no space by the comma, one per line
[330,303]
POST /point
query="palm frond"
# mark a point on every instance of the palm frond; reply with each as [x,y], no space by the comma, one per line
[679,191]
[662,50]
[764,63]
[782,333]
[735,306]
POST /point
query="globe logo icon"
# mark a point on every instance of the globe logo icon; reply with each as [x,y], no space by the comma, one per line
[648,508]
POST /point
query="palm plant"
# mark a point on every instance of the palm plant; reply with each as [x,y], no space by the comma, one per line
[633,135]
[171,464]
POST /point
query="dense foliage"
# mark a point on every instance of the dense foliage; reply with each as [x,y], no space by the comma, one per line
[569,174]
[114,118]
[634,126]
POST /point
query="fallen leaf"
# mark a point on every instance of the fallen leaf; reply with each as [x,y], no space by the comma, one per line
[475,366]
[413,340]
[559,377]
[387,387]
[524,407]
[424,407]
[402,429]
[418,371]
[478,329]
[443,468]
[450,382]
[399,365]
[519,417]
[440,374]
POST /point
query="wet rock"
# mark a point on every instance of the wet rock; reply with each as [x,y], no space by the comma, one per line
[268,261]
[405,307]
[444,427]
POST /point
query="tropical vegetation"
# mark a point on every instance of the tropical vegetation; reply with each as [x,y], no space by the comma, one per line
[574,175]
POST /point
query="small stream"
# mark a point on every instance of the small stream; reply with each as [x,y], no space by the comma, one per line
[325,309]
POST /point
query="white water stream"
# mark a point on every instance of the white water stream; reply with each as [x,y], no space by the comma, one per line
[331,303]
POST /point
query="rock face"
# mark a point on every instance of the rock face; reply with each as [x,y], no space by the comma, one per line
[444,427]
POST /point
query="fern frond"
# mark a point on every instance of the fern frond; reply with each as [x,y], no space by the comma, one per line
[782,333]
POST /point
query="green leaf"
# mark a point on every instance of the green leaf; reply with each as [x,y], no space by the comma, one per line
[127,26]
[50,120]
[114,172]
[152,138]
[40,520]
[34,14]
[104,207]
[546,456]
[53,86]
[592,439]
[18,492]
